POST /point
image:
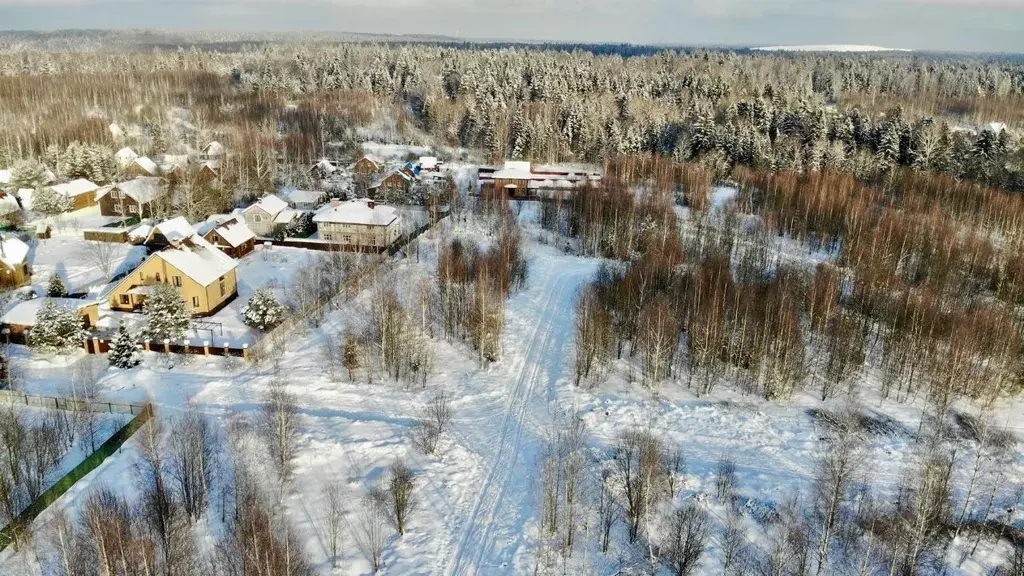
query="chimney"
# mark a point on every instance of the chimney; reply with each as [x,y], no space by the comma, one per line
[335,202]
[371,204]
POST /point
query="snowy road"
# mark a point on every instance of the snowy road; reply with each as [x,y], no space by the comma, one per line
[495,525]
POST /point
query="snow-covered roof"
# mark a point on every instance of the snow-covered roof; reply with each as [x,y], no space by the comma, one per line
[270,204]
[146,164]
[24,313]
[174,230]
[13,251]
[5,176]
[146,290]
[514,169]
[285,216]
[141,232]
[214,149]
[428,162]
[8,204]
[359,211]
[143,189]
[302,196]
[25,195]
[996,127]
[75,188]
[171,161]
[326,165]
[199,260]
[234,231]
[126,156]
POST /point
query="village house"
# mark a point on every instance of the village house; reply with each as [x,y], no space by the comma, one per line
[398,181]
[229,234]
[81,192]
[303,199]
[143,197]
[213,151]
[367,165]
[125,156]
[429,164]
[204,275]
[263,216]
[10,210]
[323,169]
[359,223]
[142,166]
[21,319]
[522,179]
[170,232]
[14,270]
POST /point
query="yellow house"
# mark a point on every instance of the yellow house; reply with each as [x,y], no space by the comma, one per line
[204,275]
[14,269]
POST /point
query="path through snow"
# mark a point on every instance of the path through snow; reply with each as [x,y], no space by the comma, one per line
[488,540]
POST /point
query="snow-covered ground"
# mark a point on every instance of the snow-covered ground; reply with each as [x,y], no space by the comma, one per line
[79,262]
[477,510]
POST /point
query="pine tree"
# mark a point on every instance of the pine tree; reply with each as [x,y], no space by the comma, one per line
[48,202]
[124,352]
[167,314]
[263,311]
[57,329]
[28,174]
[56,288]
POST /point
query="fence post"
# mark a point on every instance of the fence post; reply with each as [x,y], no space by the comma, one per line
[186,349]
[96,344]
[145,344]
[206,347]
[167,345]
[245,351]
[227,348]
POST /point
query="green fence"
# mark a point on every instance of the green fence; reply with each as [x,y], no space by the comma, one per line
[108,448]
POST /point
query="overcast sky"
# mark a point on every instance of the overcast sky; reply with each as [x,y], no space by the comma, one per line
[974,25]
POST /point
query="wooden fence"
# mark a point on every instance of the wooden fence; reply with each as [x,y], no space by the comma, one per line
[115,235]
[69,404]
[19,525]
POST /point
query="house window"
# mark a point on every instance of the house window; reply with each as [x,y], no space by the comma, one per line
[133,209]
[346,239]
[195,301]
[257,218]
[125,299]
[119,209]
[177,281]
[223,289]
[157,276]
[326,236]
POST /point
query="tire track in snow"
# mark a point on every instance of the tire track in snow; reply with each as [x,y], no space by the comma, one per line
[496,480]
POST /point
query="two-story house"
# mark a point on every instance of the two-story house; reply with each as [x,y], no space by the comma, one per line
[359,223]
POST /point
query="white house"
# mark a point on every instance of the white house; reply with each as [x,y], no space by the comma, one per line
[361,222]
[261,216]
[303,199]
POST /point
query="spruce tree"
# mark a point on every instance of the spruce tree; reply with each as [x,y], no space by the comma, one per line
[48,202]
[56,287]
[263,311]
[124,352]
[167,314]
[57,329]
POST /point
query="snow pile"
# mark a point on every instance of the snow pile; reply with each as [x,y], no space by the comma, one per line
[13,251]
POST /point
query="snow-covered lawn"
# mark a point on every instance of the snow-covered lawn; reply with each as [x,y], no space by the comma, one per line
[79,262]
[72,223]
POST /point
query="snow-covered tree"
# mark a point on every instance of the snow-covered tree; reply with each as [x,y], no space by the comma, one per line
[47,201]
[57,329]
[56,287]
[28,174]
[124,352]
[166,313]
[263,311]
